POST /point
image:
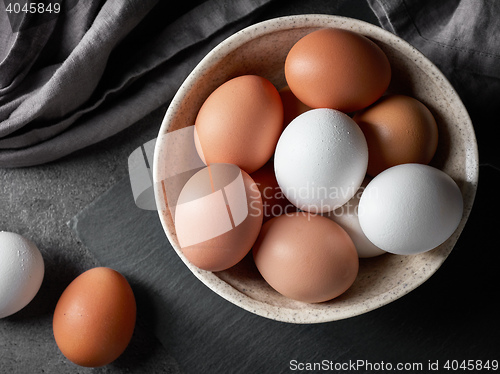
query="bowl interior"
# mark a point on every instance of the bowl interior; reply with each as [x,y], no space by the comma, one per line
[261,49]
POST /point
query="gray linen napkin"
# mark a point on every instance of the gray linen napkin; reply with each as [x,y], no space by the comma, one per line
[462,37]
[70,81]
[98,68]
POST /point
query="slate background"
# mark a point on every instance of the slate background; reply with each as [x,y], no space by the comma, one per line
[80,212]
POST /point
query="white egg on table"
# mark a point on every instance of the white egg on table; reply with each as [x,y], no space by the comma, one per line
[21,272]
[410,208]
[320,160]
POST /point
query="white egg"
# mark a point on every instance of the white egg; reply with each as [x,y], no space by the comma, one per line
[410,208]
[347,217]
[320,160]
[21,272]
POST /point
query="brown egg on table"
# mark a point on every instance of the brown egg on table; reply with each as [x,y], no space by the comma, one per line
[218,217]
[337,69]
[95,317]
[240,123]
[306,257]
[292,107]
[398,129]
[274,202]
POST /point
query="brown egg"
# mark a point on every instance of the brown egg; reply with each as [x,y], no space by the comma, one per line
[274,202]
[218,217]
[292,107]
[306,257]
[240,123]
[337,69]
[94,318]
[398,129]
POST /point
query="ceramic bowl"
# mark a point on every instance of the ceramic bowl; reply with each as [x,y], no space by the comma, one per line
[261,49]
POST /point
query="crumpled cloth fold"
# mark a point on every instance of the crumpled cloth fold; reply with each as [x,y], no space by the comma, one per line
[99,67]
[462,38]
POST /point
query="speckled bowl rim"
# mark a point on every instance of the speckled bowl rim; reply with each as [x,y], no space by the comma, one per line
[274,312]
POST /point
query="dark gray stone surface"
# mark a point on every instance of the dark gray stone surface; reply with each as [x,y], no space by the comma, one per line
[451,316]
[38,203]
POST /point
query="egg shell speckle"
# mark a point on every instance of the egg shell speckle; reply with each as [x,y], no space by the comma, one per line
[95,317]
[321,160]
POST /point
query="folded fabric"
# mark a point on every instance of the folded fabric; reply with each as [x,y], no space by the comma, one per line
[95,68]
[462,37]
[98,67]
